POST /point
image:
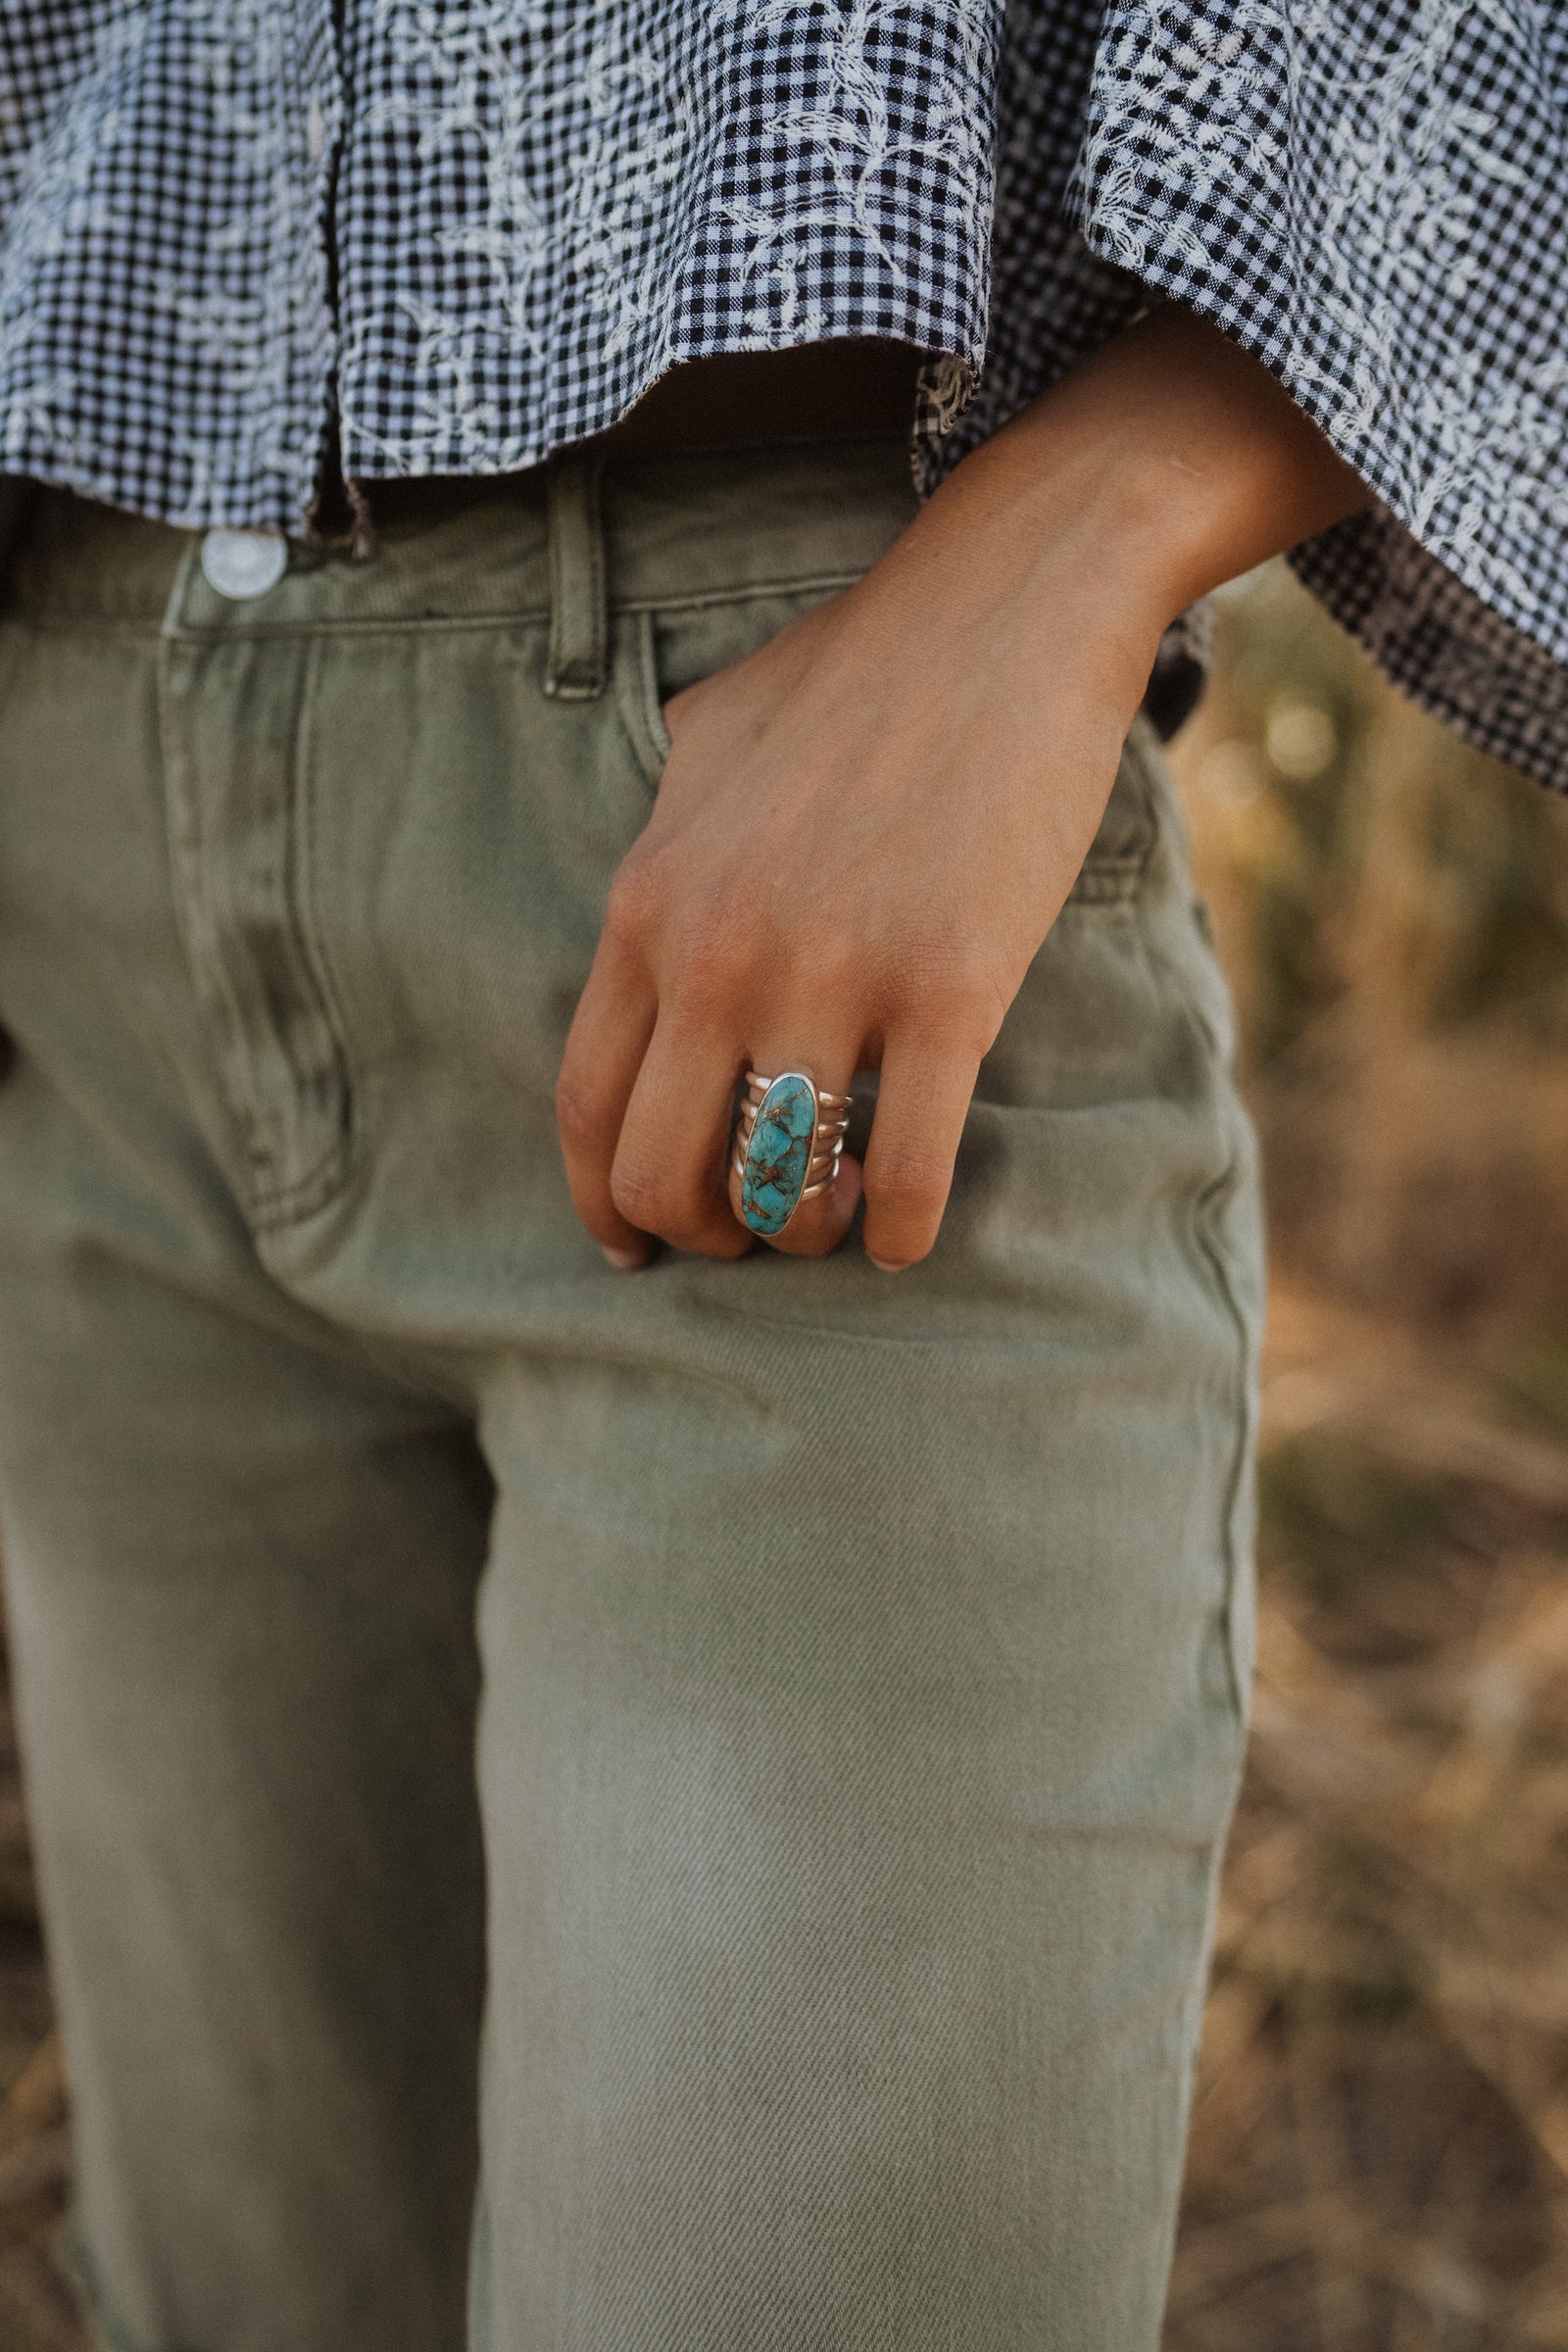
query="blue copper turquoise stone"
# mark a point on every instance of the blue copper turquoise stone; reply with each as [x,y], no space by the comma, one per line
[773,1176]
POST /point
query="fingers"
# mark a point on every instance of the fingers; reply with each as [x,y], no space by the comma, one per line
[645,1104]
[609,1037]
[645,1113]
[669,1171]
[923,1102]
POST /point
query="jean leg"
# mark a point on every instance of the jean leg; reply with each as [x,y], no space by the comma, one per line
[240,1579]
[241,1558]
[865,1672]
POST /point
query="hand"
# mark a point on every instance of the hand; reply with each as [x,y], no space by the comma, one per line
[865,829]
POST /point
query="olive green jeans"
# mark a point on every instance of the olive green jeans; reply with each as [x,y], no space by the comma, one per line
[582,1812]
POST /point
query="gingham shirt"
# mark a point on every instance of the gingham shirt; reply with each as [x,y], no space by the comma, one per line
[475,230]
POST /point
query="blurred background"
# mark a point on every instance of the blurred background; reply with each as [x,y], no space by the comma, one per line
[1381,2131]
[1380,2145]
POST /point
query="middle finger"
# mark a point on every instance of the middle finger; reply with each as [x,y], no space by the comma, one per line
[669,1171]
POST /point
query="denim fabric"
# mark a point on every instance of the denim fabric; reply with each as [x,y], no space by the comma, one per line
[800,1710]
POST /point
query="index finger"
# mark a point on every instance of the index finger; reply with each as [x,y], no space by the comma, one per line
[604,1050]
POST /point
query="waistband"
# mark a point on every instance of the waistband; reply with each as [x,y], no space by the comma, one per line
[616,531]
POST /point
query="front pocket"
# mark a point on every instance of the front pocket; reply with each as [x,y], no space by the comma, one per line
[634,669]
[660,653]
[1124,840]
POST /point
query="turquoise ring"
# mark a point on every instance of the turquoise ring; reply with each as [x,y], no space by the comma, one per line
[789,1138]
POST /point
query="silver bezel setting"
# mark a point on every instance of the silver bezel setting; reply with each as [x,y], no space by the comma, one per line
[830,1120]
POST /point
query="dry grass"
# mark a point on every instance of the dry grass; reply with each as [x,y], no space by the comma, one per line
[36,2314]
[1380,2146]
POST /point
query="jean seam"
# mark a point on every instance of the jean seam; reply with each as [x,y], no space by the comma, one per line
[268,1201]
[310,934]
[274,1204]
[1207,1209]
[510,616]
[636,699]
[1204,1211]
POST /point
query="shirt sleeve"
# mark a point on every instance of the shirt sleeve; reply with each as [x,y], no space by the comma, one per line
[1371,196]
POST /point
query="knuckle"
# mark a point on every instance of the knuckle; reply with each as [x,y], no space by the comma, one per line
[632,906]
[580,1111]
[837,963]
[911,1194]
[714,958]
[649,1196]
[641,1194]
[954,996]
[978,1003]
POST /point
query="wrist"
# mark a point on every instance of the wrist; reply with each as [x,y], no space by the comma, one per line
[1055,535]
[1166,464]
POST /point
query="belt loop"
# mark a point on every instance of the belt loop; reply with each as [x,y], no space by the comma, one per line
[580,618]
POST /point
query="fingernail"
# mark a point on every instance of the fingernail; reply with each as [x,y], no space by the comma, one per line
[882,1267]
[624,1261]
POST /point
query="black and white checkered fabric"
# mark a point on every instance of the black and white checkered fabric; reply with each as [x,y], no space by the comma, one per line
[473,230]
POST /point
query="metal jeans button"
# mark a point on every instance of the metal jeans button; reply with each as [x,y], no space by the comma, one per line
[243,564]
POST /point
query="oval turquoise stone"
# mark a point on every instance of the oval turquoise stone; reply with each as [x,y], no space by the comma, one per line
[773,1176]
